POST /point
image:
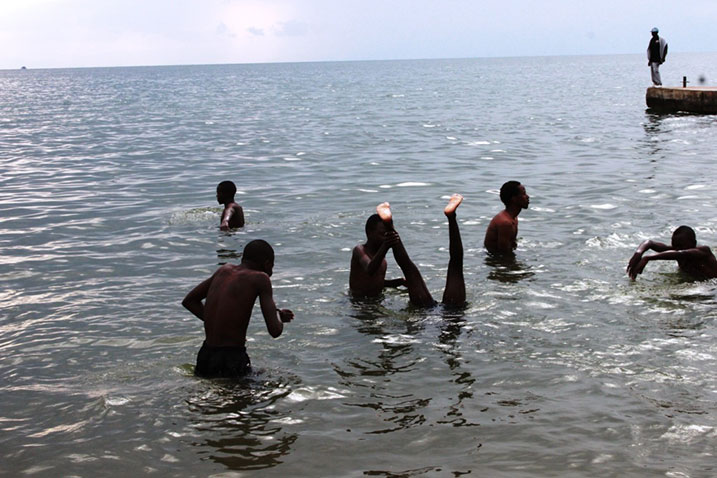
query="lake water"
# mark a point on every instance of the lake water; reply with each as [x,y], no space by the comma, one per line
[559,366]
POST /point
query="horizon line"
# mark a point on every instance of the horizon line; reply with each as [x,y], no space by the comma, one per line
[25,67]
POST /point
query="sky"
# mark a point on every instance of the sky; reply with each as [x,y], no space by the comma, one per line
[86,33]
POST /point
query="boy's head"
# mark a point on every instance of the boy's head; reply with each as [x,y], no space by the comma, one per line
[260,254]
[512,189]
[684,237]
[225,192]
[375,230]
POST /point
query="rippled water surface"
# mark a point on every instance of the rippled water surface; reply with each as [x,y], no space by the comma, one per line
[559,366]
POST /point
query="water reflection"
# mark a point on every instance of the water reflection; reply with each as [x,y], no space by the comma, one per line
[450,331]
[242,424]
[227,255]
[655,131]
[506,268]
[396,332]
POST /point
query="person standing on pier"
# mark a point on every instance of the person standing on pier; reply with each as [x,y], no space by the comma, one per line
[656,54]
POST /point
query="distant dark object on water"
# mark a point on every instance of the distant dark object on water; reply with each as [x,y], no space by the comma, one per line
[23,68]
[702,79]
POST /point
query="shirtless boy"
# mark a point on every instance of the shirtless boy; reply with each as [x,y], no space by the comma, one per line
[502,233]
[230,294]
[368,261]
[233,214]
[697,261]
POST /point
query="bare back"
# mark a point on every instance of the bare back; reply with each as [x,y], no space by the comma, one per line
[229,303]
[502,233]
[702,266]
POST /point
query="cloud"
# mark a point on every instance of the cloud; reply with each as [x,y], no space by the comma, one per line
[257,32]
[292,28]
[223,30]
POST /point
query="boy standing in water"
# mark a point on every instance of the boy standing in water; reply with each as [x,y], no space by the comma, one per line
[230,294]
[502,233]
[233,214]
[697,261]
[368,262]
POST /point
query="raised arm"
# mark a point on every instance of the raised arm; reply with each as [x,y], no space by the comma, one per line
[372,264]
[193,300]
[697,253]
[641,249]
[394,282]
[273,317]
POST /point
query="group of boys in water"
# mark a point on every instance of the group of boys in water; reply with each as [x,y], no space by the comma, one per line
[224,301]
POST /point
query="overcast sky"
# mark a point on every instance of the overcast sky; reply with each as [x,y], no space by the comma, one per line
[70,33]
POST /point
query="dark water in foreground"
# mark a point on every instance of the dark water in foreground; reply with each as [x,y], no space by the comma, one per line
[558,367]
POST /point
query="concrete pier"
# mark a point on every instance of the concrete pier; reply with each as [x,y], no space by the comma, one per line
[693,99]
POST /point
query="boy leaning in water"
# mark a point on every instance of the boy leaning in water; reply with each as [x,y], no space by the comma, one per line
[697,261]
[233,214]
[230,294]
[368,261]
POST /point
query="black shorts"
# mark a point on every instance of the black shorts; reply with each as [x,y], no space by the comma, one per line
[228,362]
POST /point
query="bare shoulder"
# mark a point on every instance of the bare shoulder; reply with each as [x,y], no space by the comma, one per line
[705,250]
[224,269]
[501,220]
[259,278]
[358,251]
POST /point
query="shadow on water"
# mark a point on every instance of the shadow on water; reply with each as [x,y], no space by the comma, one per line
[660,125]
[452,323]
[242,423]
[226,255]
[681,303]
[655,131]
[507,269]
[375,321]
[370,377]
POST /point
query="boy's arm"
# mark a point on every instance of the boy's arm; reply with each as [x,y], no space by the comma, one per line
[273,317]
[696,253]
[229,212]
[193,300]
[394,282]
[372,264]
[641,249]
[226,215]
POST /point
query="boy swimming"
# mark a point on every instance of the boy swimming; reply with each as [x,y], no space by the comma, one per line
[233,214]
[697,261]
[230,295]
[368,262]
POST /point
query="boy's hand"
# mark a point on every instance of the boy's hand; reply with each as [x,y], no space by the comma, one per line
[285,315]
[637,270]
[392,238]
[634,260]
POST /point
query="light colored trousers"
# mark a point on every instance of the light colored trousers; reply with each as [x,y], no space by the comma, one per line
[655,69]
